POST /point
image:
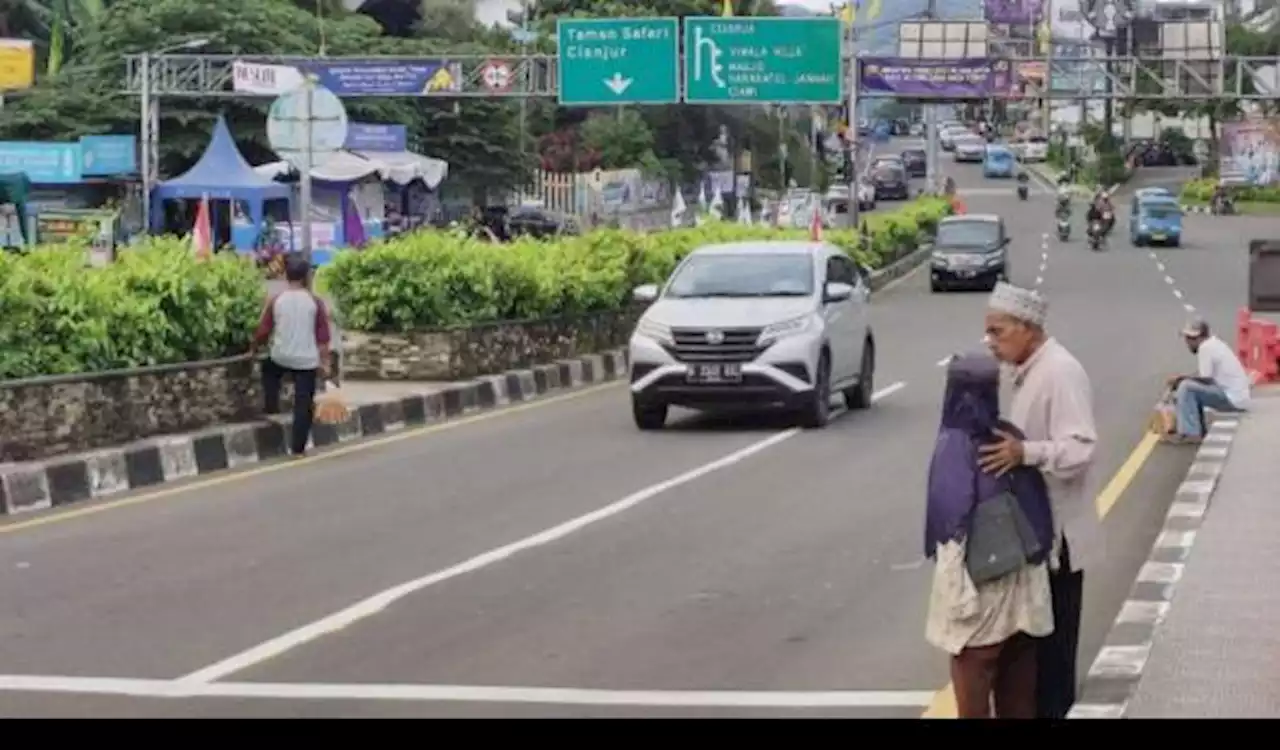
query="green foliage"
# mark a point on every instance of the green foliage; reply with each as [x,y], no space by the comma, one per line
[434,279]
[1201,191]
[623,140]
[156,304]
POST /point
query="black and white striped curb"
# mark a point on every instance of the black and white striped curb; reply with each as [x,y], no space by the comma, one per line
[101,474]
[1196,209]
[1117,670]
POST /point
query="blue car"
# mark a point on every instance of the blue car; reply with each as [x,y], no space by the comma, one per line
[999,161]
[1157,220]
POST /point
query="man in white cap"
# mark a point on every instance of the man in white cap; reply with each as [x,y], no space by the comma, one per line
[1220,383]
[1052,397]
[1053,407]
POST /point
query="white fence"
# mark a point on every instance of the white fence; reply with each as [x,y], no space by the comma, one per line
[625,196]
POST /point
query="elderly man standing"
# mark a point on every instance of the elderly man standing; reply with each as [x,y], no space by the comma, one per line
[1053,406]
[1220,383]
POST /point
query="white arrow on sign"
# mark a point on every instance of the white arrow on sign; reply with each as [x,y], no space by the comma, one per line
[618,84]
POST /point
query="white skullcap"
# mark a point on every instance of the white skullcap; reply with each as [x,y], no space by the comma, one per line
[1024,304]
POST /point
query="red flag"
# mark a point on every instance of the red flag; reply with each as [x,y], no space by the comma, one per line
[202,233]
[815,225]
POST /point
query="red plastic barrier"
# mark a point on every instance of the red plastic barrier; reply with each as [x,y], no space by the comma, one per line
[1258,346]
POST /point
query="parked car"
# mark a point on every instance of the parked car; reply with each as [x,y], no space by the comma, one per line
[754,325]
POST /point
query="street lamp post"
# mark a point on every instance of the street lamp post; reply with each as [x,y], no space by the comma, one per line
[149,126]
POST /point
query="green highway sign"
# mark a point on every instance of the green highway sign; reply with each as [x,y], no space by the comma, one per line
[762,60]
[606,61]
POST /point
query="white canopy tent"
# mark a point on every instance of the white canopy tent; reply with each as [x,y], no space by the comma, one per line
[400,167]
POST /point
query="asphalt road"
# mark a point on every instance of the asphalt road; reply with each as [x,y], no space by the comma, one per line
[716,568]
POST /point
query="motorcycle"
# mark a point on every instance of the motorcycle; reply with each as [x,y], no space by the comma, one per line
[1097,231]
[1064,228]
[1023,186]
[1223,206]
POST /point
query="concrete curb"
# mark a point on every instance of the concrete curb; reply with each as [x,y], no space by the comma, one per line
[67,480]
[1113,679]
[897,269]
[1196,209]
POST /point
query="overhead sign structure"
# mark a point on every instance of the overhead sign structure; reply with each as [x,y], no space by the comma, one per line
[607,61]
[762,60]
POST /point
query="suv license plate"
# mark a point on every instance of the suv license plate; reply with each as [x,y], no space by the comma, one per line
[728,373]
[1159,236]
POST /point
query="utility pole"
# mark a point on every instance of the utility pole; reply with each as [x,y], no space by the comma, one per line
[851,130]
[931,124]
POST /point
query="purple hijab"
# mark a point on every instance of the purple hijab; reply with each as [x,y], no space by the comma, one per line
[970,411]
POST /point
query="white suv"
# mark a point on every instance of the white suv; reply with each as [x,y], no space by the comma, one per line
[764,325]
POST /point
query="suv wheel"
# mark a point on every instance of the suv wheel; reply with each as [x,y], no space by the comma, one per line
[817,412]
[859,396]
[648,416]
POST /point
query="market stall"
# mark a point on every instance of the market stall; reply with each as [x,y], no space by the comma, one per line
[237,194]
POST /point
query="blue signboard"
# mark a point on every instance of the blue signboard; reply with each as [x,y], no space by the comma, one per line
[388,77]
[108,155]
[43,163]
[362,136]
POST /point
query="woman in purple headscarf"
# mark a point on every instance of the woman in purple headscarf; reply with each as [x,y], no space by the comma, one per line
[988,629]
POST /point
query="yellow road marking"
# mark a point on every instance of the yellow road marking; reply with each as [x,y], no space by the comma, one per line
[286,463]
[943,705]
[1124,476]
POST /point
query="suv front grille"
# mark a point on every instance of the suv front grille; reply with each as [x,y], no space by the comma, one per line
[691,345]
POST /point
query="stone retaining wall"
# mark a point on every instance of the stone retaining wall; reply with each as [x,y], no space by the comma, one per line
[460,353]
[46,416]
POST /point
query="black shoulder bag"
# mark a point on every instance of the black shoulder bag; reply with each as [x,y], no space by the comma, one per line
[1000,540]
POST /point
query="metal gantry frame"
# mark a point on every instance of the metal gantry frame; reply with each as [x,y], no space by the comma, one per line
[1132,77]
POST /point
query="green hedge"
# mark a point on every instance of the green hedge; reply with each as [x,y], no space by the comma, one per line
[432,279]
[1201,191]
[156,305]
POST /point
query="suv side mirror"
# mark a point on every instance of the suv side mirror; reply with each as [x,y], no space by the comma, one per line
[837,292]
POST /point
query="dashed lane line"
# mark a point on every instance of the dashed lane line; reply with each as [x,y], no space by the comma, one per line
[1172,283]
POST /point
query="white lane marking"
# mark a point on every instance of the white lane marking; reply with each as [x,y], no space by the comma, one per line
[472,693]
[380,601]
[945,360]
[1169,280]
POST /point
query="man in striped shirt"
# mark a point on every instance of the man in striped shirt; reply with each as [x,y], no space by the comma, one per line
[296,324]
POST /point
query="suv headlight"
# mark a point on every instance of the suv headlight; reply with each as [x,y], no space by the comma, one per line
[654,330]
[783,329]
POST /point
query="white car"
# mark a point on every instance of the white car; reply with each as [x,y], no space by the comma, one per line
[1035,148]
[970,147]
[755,325]
[947,137]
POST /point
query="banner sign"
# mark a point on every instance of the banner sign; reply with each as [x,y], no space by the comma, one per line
[974,78]
[1014,12]
[389,77]
[103,155]
[264,80]
[363,136]
[17,64]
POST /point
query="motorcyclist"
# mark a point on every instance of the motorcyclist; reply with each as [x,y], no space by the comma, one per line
[1221,201]
[1063,209]
[1100,210]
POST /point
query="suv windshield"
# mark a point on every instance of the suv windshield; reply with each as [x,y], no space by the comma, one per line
[744,275]
[966,234]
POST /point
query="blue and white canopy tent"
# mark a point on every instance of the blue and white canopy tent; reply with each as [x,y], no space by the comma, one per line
[222,174]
